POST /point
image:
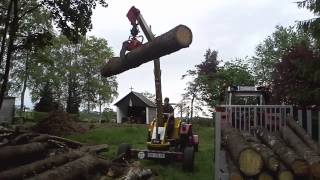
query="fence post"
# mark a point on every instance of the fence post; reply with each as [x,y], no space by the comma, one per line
[217,129]
[309,122]
[300,117]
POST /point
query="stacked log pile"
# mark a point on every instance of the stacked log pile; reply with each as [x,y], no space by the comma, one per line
[41,156]
[285,155]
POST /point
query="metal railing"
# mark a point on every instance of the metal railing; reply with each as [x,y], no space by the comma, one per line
[247,118]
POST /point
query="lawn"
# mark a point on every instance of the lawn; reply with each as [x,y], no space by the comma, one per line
[114,135]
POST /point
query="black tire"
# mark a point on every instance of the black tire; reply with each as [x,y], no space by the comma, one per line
[196,147]
[188,159]
[124,148]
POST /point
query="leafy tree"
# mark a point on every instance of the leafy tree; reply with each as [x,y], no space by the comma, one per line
[150,96]
[270,51]
[211,80]
[297,77]
[73,18]
[312,25]
[46,103]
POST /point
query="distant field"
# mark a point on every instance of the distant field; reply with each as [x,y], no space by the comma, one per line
[114,135]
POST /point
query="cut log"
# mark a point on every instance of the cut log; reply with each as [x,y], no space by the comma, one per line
[172,41]
[265,176]
[234,172]
[297,164]
[303,150]
[81,168]
[37,167]
[95,149]
[46,137]
[249,161]
[269,158]
[303,134]
[9,153]
[284,173]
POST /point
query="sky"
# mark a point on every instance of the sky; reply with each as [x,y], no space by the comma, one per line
[232,27]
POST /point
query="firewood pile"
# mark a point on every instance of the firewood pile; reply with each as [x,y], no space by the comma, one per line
[285,155]
[25,155]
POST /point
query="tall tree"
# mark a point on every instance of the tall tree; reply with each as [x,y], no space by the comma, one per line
[73,18]
[312,25]
[297,77]
[270,51]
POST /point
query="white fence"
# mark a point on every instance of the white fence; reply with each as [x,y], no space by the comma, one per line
[246,118]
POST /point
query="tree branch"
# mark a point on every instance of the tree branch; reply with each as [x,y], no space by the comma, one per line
[29,11]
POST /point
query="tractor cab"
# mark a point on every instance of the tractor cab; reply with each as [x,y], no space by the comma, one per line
[247,95]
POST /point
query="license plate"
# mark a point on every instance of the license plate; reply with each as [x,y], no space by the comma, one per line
[156,155]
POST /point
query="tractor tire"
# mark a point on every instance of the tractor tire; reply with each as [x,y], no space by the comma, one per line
[188,159]
[196,146]
[124,148]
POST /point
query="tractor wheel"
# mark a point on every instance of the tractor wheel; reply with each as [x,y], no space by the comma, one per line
[188,159]
[196,147]
[124,148]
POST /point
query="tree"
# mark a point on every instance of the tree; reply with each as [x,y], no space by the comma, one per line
[73,70]
[211,80]
[297,77]
[270,51]
[73,18]
[150,96]
[311,25]
[46,103]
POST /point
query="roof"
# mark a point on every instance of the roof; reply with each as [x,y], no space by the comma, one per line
[140,96]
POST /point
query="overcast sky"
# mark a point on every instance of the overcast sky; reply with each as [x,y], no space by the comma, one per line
[233,27]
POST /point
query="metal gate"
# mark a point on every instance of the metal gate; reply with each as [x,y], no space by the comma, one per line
[246,118]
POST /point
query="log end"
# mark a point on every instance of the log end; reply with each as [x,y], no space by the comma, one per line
[183,36]
[315,170]
[265,176]
[300,168]
[273,164]
[235,177]
[250,162]
[285,175]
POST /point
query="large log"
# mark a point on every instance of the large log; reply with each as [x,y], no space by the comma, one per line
[297,164]
[234,172]
[303,134]
[37,167]
[249,161]
[81,168]
[265,176]
[172,41]
[303,150]
[9,153]
[284,173]
[46,137]
[269,158]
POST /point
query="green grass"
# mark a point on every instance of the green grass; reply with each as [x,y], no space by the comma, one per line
[136,135]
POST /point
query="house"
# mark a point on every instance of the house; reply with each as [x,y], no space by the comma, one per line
[7,110]
[135,108]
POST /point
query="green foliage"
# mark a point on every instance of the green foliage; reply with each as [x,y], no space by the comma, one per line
[311,25]
[46,103]
[211,80]
[270,51]
[74,72]
[297,77]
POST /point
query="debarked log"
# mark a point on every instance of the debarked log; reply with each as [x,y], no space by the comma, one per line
[167,43]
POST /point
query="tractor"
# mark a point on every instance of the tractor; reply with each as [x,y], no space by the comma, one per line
[181,144]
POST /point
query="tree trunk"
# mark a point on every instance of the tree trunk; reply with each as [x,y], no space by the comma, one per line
[5,31]
[172,41]
[78,169]
[265,176]
[234,171]
[191,107]
[16,153]
[12,36]
[284,173]
[24,83]
[298,165]
[269,158]
[22,172]
[46,137]
[303,134]
[306,152]
[250,162]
